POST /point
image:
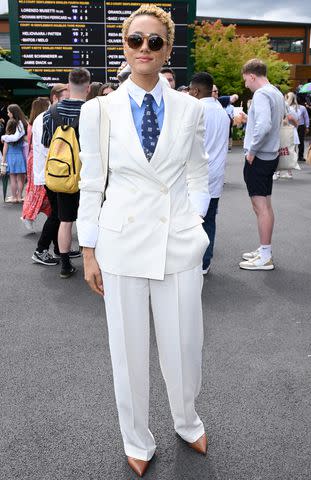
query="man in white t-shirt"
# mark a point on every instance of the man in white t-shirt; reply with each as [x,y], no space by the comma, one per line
[216,145]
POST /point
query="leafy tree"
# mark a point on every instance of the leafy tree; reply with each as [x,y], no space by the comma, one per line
[5,53]
[221,52]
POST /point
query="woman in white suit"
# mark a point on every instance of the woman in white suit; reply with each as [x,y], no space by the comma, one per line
[146,240]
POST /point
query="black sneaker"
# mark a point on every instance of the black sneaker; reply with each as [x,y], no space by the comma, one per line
[45,258]
[67,272]
[72,254]
[75,254]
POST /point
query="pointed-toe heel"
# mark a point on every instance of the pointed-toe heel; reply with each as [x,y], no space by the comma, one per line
[138,466]
[200,445]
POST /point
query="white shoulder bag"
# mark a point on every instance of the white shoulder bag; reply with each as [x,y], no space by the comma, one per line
[104,131]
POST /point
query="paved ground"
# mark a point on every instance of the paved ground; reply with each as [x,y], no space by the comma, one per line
[58,416]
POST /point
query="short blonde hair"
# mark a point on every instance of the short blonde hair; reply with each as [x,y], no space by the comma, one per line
[154,11]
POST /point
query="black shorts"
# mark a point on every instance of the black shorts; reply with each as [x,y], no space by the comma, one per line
[258,176]
[68,204]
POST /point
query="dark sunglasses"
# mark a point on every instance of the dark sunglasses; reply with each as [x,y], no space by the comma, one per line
[155,42]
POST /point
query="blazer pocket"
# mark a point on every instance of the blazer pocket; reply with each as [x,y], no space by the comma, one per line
[184,222]
[111,221]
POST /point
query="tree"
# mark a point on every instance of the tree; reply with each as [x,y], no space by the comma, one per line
[222,53]
[5,53]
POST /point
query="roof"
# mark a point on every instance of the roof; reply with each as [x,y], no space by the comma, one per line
[12,76]
[243,21]
[10,71]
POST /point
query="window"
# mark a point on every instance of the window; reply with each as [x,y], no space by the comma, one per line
[288,45]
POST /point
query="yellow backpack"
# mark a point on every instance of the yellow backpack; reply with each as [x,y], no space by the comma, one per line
[63,165]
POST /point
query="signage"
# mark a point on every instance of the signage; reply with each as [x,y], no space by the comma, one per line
[50,37]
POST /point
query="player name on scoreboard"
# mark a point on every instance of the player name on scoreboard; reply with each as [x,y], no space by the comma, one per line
[56,36]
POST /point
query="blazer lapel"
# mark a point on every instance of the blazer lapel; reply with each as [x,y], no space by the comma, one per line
[173,116]
[120,114]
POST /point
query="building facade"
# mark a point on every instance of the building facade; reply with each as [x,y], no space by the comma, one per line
[290,40]
[4,32]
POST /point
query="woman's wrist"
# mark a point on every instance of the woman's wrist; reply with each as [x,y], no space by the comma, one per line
[88,252]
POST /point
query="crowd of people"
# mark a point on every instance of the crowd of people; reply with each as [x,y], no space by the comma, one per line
[25,146]
[141,228]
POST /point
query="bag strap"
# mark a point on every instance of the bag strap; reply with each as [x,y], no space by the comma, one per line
[104,132]
[58,120]
[75,122]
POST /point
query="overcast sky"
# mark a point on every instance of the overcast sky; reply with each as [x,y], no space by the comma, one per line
[281,10]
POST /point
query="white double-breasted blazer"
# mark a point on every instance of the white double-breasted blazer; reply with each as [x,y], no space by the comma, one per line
[150,223]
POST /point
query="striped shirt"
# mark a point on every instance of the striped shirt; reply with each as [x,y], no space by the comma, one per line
[68,109]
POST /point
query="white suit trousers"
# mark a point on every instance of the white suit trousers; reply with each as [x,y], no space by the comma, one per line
[177,311]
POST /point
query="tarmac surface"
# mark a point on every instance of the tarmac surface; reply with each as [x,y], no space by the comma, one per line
[58,414]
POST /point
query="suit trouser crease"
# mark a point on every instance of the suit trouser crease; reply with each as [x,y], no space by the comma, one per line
[177,312]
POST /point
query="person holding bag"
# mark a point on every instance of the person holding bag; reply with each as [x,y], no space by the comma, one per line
[289,134]
[146,239]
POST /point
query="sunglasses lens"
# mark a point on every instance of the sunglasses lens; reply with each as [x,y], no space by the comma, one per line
[155,43]
[135,41]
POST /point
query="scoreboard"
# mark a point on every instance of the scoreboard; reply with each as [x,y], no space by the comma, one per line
[50,37]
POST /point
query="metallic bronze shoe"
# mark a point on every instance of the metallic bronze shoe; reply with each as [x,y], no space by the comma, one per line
[139,466]
[200,445]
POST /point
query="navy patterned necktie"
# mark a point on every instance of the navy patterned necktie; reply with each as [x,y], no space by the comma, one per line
[149,127]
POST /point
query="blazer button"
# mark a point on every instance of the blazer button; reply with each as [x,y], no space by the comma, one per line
[163,219]
[164,190]
[131,219]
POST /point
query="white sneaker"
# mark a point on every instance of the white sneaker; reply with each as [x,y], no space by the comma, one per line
[257,264]
[286,175]
[250,255]
[28,224]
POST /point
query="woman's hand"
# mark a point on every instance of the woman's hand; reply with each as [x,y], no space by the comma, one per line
[92,273]
[3,169]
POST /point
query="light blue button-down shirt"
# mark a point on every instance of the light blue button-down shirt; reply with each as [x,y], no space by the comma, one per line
[136,95]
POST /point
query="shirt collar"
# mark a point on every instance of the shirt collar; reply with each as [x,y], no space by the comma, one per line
[138,93]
